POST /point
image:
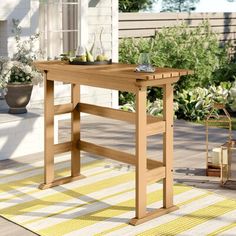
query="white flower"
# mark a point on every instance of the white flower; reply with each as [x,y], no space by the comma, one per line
[26,46]
[19,68]
[27,69]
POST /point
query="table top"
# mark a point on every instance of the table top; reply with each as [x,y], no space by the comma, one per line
[113,73]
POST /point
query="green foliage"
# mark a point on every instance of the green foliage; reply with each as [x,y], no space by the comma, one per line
[179,5]
[225,73]
[194,104]
[135,6]
[220,93]
[197,49]
[153,108]
[125,97]
[181,47]
[232,97]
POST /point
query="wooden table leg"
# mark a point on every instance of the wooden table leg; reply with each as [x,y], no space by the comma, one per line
[48,132]
[49,146]
[75,131]
[168,145]
[141,159]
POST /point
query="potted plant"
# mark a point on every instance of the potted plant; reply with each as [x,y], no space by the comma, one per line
[17,74]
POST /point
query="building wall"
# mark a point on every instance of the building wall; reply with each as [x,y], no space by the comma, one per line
[3,38]
[102,13]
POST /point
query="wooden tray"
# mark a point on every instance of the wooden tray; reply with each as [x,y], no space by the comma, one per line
[87,63]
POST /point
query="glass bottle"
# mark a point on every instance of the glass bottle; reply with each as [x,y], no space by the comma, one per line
[97,49]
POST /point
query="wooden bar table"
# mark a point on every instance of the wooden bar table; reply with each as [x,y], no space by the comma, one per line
[118,77]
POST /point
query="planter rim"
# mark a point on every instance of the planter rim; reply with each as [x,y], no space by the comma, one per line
[20,84]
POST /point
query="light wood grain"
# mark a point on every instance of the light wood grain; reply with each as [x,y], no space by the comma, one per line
[116,76]
[112,113]
[155,128]
[156,174]
[107,152]
[48,131]
[168,145]
[141,162]
[62,147]
[63,108]
[152,214]
[75,131]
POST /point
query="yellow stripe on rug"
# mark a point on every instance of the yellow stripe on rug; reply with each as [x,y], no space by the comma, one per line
[103,203]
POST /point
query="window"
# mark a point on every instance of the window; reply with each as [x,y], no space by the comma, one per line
[58,26]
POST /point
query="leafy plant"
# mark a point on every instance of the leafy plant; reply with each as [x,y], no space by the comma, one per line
[153,108]
[135,6]
[19,69]
[220,93]
[226,73]
[194,104]
[181,47]
[232,97]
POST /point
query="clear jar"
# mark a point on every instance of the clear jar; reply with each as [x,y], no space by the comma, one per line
[144,63]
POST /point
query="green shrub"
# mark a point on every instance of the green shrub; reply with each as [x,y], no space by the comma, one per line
[153,108]
[194,104]
[197,49]
[232,97]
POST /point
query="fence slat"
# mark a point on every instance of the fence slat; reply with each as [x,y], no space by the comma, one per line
[146,24]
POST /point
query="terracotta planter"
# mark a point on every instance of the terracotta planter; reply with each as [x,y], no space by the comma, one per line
[17,97]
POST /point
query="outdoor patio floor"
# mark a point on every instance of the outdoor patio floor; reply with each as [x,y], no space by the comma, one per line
[189,154]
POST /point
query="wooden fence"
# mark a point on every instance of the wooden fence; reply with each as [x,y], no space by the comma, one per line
[145,24]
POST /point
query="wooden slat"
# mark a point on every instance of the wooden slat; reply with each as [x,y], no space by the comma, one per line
[107,152]
[105,75]
[157,23]
[62,109]
[153,214]
[174,16]
[152,164]
[106,112]
[60,181]
[155,174]
[113,113]
[136,33]
[155,128]
[115,154]
[146,33]
[157,82]
[85,79]
[62,147]
[146,24]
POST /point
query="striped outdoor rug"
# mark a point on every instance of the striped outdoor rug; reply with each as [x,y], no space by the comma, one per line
[103,203]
